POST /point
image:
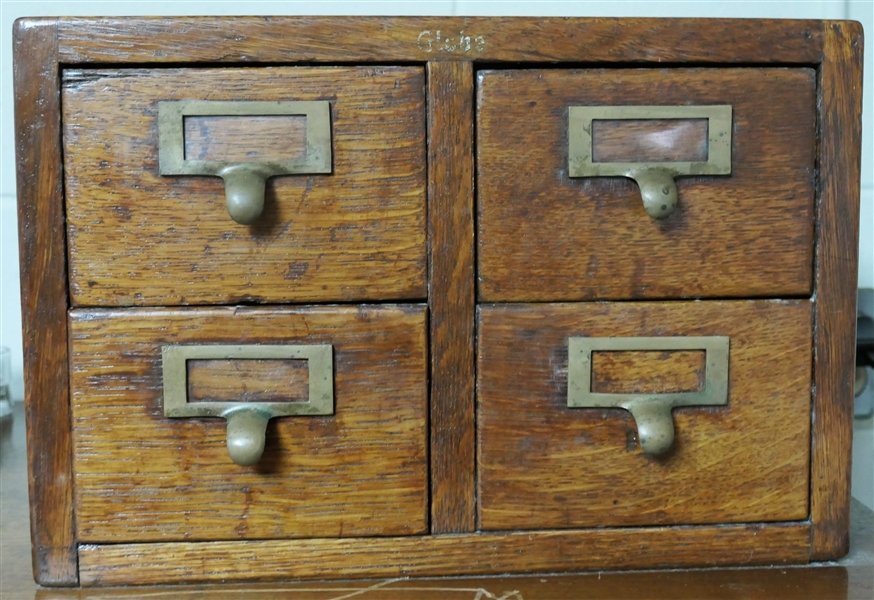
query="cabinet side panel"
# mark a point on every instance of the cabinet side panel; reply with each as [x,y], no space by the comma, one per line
[44,300]
[840,90]
[451,294]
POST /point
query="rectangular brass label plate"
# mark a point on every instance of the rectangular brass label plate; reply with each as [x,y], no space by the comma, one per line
[580,163]
[321,378]
[580,349]
[171,135]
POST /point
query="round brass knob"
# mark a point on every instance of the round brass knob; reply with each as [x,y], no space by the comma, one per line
[247,432]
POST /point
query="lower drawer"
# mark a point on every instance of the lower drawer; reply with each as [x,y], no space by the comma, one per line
[544,465]
[360,470]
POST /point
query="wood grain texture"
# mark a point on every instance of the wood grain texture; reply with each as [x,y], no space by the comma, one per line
[451,295]
[465,554]
[648,372]
[44,299]
[849,579]
[139,238]
[543,236]
[142,477]
[248,380]
[836,274]
[543,465]
[245,139]
[363,39]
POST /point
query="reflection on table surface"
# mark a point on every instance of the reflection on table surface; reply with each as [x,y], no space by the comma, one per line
[850,578]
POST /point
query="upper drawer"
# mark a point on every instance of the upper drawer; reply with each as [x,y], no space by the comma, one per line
[547,236]
[140,237]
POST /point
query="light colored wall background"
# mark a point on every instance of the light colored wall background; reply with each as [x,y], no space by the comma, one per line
[860,10]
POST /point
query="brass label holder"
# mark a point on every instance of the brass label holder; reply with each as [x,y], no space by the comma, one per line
[655,179]
[244,182]
[651,412]
[247,421]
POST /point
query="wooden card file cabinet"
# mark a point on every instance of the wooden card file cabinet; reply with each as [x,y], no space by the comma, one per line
[378,297]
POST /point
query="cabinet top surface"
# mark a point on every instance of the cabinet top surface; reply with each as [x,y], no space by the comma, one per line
[481,39]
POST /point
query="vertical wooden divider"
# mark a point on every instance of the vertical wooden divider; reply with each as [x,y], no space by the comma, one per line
[44,300]
[840,90]
[451,294]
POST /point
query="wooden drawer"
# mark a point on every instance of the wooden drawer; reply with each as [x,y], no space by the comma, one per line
[140,237]
[543,465]
[139,476]
[547,236]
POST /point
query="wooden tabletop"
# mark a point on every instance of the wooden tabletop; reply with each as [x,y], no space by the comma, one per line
[850,578]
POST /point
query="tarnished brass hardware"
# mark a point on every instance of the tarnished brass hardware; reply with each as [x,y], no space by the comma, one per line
[655,179]
[247,433]
[244,182]
[247,421]
[651,412]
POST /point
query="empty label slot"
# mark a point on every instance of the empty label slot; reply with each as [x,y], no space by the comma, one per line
[649,140]
[241,139]
[639,372]
[248,380]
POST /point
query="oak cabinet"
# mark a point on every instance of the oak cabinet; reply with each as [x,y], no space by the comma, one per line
[360,297]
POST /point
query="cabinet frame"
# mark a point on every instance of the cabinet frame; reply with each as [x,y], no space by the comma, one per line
[452,48]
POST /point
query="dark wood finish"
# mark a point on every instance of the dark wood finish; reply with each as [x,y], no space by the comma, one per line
[245,139]
[451,297]
[543,465]
[468,554]
[248,380]
[140,476]
[653,140]
[543,236]
[139,238]
[380,39]
[648,372]
[44,299]
[836,274]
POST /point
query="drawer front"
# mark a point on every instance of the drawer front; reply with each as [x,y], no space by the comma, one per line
[543,464]
[360,471]
[144,231]
[547,233]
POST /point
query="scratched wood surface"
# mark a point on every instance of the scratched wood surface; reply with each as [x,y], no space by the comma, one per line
[245,138]
[846,580]
[543,236]
[44,299]
[360,472]
[247,380]
[451,295]
[543,465]
[111,43]
[467,554]
[378,39]
[836,275]
[139,238]
[648,372]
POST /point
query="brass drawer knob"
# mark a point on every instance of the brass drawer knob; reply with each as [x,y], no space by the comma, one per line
[655,178]
[651,412]
[247,421]
[247,434]
[244,181]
